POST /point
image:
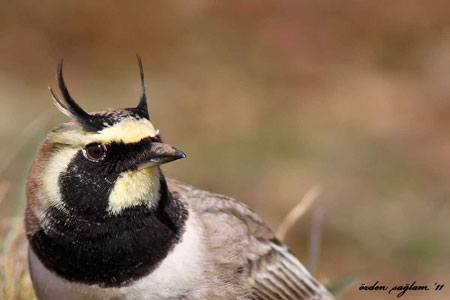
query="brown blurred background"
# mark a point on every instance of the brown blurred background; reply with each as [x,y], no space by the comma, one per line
[267,98]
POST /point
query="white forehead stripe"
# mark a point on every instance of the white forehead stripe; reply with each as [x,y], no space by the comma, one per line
[127,131]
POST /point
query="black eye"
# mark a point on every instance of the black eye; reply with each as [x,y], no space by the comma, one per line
[94,151]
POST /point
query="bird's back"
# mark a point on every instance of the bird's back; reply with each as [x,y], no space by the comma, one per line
[245,259]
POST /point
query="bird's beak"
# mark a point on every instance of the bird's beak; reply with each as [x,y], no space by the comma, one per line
[160,153]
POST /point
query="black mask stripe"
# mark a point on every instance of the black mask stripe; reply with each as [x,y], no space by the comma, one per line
[86,185]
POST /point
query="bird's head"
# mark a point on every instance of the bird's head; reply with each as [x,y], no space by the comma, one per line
[98,164]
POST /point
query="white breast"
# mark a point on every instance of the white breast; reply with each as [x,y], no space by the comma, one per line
[180,273]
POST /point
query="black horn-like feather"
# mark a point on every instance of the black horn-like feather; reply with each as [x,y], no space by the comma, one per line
[97,121]
[68,105]
[142,108]
[73,107]
[81,116]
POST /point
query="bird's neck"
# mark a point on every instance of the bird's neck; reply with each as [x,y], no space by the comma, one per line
[114,250]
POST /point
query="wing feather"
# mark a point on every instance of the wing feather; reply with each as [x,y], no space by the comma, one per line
[272,272]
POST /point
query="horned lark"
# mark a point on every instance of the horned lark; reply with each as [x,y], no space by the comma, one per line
[104,223]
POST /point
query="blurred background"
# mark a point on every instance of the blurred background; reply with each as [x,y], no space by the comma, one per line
[268,99]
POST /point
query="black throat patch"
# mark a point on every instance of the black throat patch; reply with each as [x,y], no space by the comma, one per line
[114,250]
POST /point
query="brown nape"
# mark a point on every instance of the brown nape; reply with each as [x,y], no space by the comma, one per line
[32,223]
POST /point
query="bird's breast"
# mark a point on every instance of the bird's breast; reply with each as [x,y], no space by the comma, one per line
[178,275]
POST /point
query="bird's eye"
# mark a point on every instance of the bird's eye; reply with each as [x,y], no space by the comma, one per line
[94,151]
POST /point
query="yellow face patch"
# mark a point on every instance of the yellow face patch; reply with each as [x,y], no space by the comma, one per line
[133,188]
[127,131]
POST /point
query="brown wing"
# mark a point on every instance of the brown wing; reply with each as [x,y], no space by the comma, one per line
[247,248]
[279,275]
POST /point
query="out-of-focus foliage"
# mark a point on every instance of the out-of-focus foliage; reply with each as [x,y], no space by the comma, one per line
[267,98]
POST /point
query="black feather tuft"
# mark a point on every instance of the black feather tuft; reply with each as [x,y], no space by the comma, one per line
[142,108]
[97,121]
[87,121]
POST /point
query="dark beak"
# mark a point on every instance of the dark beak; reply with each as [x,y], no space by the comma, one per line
[161,153]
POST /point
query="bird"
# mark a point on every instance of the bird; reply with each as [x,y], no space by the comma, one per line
[103,222]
